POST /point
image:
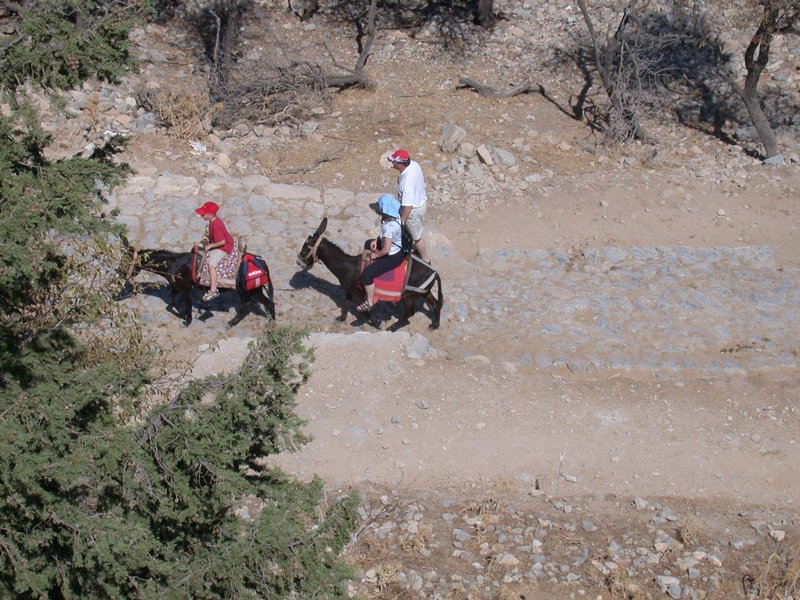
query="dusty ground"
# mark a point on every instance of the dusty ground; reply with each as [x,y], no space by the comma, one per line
[467,431]
[715,447]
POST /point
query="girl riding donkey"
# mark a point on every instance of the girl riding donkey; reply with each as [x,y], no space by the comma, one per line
[218,244]
[385,251]
[248,273]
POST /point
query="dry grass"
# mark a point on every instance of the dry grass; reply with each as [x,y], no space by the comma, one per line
[621,587]
[92,113]
[777,579]
[416,542]
[459,593]
[187,113]
[687,534]
[387,574]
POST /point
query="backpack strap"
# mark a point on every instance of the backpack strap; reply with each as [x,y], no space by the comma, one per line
[400,245]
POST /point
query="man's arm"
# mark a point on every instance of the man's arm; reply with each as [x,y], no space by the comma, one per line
[404,212]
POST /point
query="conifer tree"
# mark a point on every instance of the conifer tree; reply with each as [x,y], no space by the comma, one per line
[98,497]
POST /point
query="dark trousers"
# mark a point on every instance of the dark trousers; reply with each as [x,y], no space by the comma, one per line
[380,266]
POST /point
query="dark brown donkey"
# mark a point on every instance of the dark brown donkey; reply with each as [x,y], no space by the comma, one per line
[347,270]
[176,268]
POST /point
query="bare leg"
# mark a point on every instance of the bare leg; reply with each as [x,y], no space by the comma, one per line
[421,250]
[212,275]
[370,289]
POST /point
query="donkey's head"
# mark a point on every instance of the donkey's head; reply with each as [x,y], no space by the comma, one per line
[308,253]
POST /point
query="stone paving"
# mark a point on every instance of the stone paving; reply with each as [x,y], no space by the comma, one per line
[655,308]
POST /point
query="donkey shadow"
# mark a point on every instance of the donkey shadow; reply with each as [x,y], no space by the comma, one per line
[303,280]
[384,311]
[226,300]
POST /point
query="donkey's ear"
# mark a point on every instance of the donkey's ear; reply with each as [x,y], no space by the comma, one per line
[321,229]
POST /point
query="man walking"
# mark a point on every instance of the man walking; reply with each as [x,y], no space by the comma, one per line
[413,198]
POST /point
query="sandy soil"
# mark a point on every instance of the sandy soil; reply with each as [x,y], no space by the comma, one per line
[479,427]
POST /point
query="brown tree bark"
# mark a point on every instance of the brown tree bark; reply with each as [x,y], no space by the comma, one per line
[485,13]
[780,16]
[755,59]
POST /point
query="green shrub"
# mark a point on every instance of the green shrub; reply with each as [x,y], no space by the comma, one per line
[64,42]
[99,498]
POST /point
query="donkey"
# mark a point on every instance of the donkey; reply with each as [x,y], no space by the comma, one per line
[176,268]
[347,270]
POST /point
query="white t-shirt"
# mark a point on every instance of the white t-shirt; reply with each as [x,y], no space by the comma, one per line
[411,186]
[391,229]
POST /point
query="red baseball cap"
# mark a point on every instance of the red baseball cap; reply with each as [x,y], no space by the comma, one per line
[401,156]
[209,208]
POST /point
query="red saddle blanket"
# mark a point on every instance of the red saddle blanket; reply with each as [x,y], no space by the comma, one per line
[390,285]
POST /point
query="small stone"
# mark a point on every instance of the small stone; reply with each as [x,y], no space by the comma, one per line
[777,535]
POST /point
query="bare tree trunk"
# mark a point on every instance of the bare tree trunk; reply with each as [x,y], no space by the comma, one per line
[755,59]
[226,17]
[485,14]
[606,58]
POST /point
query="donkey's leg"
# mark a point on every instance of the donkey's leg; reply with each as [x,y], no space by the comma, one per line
[408,308]
[245,298]
[269,299]
[171,300]
[437,310]
[183,286]
[187,298]
[348,300]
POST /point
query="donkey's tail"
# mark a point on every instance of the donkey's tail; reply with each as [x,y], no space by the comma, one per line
[440,296]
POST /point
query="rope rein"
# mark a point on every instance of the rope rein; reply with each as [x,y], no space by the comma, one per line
[312,252]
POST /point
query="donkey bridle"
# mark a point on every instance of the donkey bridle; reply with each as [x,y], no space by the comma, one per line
[312,252]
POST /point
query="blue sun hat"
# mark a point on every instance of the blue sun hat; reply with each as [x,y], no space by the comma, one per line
[387,205]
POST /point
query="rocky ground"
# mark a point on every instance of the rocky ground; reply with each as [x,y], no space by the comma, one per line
[610,407]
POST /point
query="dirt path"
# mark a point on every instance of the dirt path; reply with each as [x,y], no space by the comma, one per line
[425,423]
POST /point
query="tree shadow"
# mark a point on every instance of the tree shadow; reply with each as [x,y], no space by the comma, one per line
[580,107]
[452,21]
[687,74]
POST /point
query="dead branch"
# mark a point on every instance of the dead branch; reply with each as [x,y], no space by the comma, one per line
[486,90]
[356,75]
[309,168]
[614,65]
